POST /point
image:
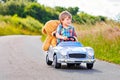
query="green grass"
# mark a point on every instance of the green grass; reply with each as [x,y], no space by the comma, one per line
[104,38]
[14,25]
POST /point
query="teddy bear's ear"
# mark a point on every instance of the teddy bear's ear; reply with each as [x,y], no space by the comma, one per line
[44,31]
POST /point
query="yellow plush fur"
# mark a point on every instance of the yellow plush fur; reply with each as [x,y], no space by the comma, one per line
[47,29]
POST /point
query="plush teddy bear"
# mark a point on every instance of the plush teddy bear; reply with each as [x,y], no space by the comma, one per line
[48,29]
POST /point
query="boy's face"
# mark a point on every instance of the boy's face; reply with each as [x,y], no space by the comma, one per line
[66,21]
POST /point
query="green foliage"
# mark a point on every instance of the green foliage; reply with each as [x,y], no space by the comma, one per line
[72,10]
[44,13]
[40,12]
[16,25]
[60,9]
[9,30]
[78,20]
[84,18]
[12,7]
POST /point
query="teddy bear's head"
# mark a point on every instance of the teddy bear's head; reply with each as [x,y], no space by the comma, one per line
[50,26]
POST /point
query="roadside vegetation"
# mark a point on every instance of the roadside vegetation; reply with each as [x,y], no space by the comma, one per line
[18,17]
[14,25]
[104,37]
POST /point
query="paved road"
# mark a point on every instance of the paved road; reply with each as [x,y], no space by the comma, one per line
[21,58]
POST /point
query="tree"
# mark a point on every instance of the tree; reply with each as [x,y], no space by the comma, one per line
[40,12]
[74,10]
[84,18]
[60,9]
[12,7]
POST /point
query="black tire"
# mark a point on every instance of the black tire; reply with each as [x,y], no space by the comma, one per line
[70,65]
[89,65]
[48,61]
[56,65]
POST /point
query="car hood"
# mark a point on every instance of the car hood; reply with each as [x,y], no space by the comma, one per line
[65,50]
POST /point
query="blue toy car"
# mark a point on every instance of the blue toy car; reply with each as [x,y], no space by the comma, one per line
[72,53]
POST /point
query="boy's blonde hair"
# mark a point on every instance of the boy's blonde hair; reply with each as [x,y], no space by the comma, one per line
[64,14]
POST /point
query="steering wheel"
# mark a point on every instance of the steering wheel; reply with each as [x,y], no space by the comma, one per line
[71,38]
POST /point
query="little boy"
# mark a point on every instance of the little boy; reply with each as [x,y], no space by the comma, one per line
[65,29]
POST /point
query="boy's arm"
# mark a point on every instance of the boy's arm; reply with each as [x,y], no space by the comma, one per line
[58,33]
[61,37]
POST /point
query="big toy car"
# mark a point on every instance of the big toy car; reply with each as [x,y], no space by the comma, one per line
[72,53]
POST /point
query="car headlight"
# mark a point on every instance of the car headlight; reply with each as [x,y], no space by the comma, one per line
[90,55]
[64,56]
[90,52]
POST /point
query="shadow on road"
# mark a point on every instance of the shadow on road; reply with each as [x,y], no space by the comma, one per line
[78,69]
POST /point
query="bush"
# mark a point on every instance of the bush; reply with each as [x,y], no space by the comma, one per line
[12,7]
[84,18]
[17,25]
[40,12]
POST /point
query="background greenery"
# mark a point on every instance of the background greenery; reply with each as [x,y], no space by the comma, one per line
[27,17]
[16,25]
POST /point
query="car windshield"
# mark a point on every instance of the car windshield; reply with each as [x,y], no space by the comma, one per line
[70,44]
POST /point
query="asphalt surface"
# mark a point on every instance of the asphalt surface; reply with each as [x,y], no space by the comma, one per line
[22,58]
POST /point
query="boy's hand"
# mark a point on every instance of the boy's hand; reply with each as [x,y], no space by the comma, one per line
[54,33]
[72,39]
[65,38]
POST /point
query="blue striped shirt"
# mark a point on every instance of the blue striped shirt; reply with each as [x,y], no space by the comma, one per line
[68,32]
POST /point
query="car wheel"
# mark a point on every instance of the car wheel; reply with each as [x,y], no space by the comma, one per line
[70,65]
[89,65]
[48,61]
[56,65]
